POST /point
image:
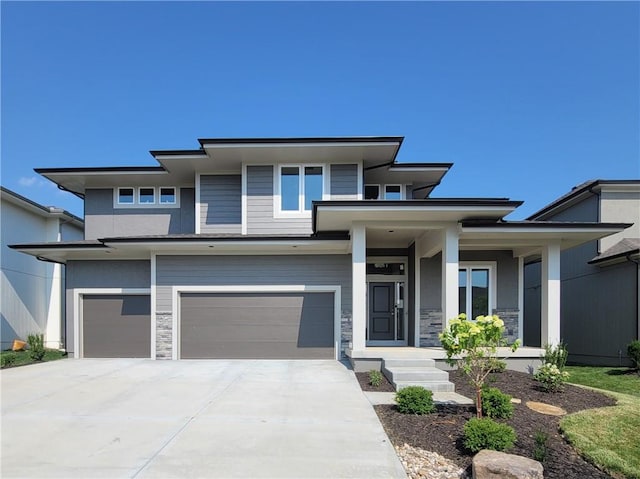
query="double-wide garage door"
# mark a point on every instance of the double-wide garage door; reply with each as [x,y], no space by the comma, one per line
[257,326]
[116,326]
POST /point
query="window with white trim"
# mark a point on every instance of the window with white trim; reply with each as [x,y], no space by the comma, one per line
[146,196]
[299,186]
[386,192]
[167,195]
[126,196]
[371,192]
[392,192]
[477,290]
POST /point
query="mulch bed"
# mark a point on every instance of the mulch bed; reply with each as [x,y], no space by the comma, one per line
[442,431]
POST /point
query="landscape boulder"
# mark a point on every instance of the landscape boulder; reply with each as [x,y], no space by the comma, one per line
[499,465]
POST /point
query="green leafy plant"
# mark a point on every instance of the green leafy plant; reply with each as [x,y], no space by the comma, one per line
[550,377]
[415,400]
[485,433]
[499,366]
[375,378]
[496,404]
[633,350]
[7,359]
[540,449]
[36,346]
[555,355]
[473,346]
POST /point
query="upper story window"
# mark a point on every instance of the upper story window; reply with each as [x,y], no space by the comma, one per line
[383,192]
[146,197]
[477,289]
[298,187]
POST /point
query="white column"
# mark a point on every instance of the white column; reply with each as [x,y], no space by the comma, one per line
[359,286]
[450,266]
[416,293]
[521,299]
[550,307]
[53,292]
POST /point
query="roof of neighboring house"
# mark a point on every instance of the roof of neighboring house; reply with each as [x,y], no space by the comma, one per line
[622,249]
[47,211]
[576,192]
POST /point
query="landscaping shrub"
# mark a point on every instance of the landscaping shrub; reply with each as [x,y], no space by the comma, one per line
[415,400]
[7,359]
[540,449]
[485,433]
[550,377]
[375,378]
[499,366]
[496,404]
[633,350]
[36,346]
[555,355]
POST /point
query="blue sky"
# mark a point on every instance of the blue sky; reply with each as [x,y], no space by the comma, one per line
[526,99]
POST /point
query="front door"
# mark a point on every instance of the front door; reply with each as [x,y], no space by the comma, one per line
[382,311]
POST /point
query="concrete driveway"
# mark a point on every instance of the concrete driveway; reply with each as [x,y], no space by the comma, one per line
[190,419]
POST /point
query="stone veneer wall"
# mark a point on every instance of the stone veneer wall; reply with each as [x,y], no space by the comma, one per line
[164,335]
[346,332]
[430,326]
[510,318]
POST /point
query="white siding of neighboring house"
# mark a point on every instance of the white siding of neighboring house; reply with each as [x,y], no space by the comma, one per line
[31,299]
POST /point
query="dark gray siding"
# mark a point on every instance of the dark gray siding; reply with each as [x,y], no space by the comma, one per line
[344,182]
[260,206]
[251,270]
[220,204]
[102,274]
[103,220]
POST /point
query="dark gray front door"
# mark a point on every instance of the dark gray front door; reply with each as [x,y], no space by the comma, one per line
[381,311]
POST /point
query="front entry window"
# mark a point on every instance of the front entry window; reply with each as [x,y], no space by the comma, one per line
[474,291]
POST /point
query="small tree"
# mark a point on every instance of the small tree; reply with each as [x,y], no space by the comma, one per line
[472,346]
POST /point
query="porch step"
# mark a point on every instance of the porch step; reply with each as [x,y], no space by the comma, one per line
[416,372]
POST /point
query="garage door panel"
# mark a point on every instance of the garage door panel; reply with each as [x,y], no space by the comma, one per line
[116,326]
[257,326]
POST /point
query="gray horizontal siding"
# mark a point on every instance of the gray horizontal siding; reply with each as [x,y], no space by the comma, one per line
[220,204]
[103,220]
[344,182]
[260,206]
[251,270]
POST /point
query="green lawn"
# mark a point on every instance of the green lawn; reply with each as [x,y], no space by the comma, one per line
[22,357]
[619,380]
[608,436]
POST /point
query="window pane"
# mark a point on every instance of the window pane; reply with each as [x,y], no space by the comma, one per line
[371,192]
[312,185]
[125,196]
[167,195]
[480,292]
[147,195]
[462,291]
[392,192]
[290,188]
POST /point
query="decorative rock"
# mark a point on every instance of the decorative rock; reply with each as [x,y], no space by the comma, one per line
[516,401]
[499,465]
[421,464]
[543,408]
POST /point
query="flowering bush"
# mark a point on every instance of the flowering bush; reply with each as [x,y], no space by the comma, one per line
[473,346]
[550,377]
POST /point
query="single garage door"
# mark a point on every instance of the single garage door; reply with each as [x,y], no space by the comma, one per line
[257,326]
[116,326]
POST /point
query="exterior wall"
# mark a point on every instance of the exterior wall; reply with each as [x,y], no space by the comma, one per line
[431,320]
[260,207]
[344,182]
[599,305]
[620,207]
[31,291]
[247,270]
[102,220]
[220,204]
[102,274]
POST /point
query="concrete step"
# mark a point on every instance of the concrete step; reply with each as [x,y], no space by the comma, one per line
[410,363]
[434,386]
[416,374]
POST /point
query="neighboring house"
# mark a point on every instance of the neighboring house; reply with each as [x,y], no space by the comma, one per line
[293,248]
[32,299]
[600,279]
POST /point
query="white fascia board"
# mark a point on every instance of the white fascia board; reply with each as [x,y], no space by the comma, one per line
[296,145]
[539,230]
[202,156]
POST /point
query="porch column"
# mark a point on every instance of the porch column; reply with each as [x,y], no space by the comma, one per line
[550,306]
[359,287]
[53,291]
[449,274]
